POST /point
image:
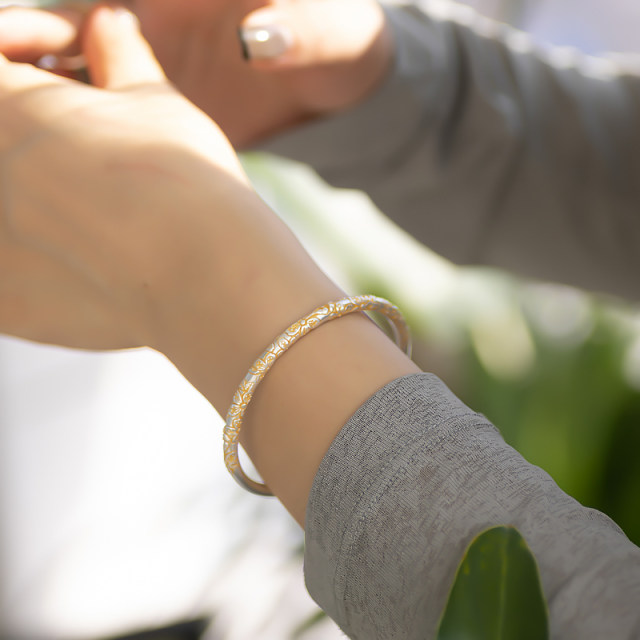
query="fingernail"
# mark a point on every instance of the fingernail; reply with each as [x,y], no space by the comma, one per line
[265,42]
[127,16]
[50,62]
[118,15]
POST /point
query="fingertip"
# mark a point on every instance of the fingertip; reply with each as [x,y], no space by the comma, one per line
[110,23]
[117,54]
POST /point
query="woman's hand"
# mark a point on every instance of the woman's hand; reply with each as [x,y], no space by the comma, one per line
[101,192]
[338,52]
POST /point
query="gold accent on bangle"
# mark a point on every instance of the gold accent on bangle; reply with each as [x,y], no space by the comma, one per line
[261,366]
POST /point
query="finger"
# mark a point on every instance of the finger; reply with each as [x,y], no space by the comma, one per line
[28,34]
[18,77]
[117,55]
[312,32]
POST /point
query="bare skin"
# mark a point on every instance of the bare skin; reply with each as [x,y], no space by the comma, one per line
[145,231]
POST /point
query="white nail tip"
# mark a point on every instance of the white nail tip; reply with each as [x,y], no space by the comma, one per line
[266,42]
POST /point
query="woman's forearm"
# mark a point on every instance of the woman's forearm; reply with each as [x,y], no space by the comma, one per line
[216,330]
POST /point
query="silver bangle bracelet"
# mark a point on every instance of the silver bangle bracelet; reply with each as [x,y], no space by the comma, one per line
[261,366]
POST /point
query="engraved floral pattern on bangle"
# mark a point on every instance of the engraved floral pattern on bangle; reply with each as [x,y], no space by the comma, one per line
[284,341]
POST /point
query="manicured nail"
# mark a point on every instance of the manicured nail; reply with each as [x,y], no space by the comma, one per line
[48,62]
[127,16]
[51,62]
[265,42]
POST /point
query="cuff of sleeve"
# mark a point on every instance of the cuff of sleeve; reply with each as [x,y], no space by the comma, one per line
[372,450]
[375,129]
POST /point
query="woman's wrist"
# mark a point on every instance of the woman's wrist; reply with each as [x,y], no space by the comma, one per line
[213,332]
[249,278]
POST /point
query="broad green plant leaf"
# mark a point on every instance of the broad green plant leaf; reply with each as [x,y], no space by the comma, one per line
[497,593]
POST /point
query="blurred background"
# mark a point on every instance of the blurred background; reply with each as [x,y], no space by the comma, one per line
[116,513]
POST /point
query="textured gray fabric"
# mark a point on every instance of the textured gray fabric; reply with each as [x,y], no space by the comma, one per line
[409,481]
[493,153]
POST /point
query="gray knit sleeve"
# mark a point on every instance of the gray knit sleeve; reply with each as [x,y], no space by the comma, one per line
[410,480]
[491,151]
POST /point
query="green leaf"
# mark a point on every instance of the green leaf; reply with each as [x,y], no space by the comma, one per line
[497,593]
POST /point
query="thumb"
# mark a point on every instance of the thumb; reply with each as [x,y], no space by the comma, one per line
[117,55]
[296,34]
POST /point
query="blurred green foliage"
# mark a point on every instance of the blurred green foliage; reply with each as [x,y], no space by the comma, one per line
[574,413]
[555,369]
